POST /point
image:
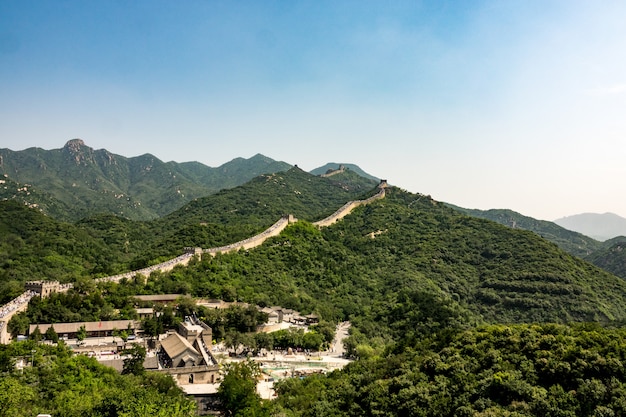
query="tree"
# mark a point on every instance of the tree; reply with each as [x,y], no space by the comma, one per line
[18,324]
[152,327]
[16,398]
[133,363]
[52,335]
[36,335]
[186,306]
[238,390]
[81,334]
[264,341]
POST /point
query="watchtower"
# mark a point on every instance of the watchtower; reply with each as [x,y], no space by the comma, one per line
[43,288]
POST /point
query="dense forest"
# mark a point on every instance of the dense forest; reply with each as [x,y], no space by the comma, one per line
[54,381]
[451,315]
[499,370]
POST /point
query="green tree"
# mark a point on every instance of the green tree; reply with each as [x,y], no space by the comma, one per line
[237,390]
[36,335]
[18,324]
[51,335]
[133,363]
[16,398]
[81,334]
[152,327]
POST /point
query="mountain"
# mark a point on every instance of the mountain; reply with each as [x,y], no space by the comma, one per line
[35,245]
[598,226]
[607,255]
[611,257]
[77,181]
[333,168]
[572,242]
[81,181]
[379,267]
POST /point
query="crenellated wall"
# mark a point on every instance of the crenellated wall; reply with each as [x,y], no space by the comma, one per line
[254,241]
[351,205]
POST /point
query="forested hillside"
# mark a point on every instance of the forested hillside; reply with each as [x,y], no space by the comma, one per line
[522,370]
[375,267]
[77,181]
[607,255]
[414,276]
[34,246]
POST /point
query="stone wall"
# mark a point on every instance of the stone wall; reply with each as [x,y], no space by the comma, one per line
[254,241]
[349,206]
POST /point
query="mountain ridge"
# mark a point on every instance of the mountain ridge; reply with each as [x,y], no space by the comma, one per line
[607,255]
[598,226]
[141,187]
[77,181]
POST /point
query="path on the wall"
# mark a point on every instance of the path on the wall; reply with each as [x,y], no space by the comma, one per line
[20,303]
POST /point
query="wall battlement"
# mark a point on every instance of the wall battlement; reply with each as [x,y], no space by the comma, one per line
[351,205]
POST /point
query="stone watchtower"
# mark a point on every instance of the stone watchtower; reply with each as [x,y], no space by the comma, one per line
[43,288]
[194,251]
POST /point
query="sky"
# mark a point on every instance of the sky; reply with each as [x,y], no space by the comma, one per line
[483,104]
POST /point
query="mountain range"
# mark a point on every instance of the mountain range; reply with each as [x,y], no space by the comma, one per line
[376,263]
[453,311]
[607,255]
[77,181]
[598,226]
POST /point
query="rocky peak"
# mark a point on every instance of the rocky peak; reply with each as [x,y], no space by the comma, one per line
[74,145]
[79,152]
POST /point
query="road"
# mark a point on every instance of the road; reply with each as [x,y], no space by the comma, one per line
[341,332]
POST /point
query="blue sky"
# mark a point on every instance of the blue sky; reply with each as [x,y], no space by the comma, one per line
[484,104]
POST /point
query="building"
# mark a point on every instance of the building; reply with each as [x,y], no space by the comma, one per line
[93,328]
[43,288]
[186,354]
[159,298]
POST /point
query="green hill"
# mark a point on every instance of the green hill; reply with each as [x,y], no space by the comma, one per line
[380,261]
[423,285]
[611,257]
[607,255]
[375,266]
[572,242]
[83,181]
[34,246]
[333,166]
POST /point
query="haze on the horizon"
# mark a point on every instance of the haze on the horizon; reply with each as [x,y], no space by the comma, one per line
[485,104]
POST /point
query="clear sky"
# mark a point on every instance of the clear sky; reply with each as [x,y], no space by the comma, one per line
[484,104]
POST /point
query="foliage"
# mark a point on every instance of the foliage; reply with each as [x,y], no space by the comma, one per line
[233,319]
[67,385]
[79,181]
[611,257]
[237,391]
[33,245]
[81,334]
[606,255]
[402,265]
[133,363]
[514,370]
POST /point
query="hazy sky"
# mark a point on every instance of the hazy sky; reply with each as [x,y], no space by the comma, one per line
[484,104]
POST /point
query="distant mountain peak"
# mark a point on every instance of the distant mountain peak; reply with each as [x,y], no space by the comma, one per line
[74,145]
[598,226]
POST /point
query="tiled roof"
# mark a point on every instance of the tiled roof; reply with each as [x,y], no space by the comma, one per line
[175,345]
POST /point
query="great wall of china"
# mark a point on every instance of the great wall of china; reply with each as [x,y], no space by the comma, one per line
[43,288]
